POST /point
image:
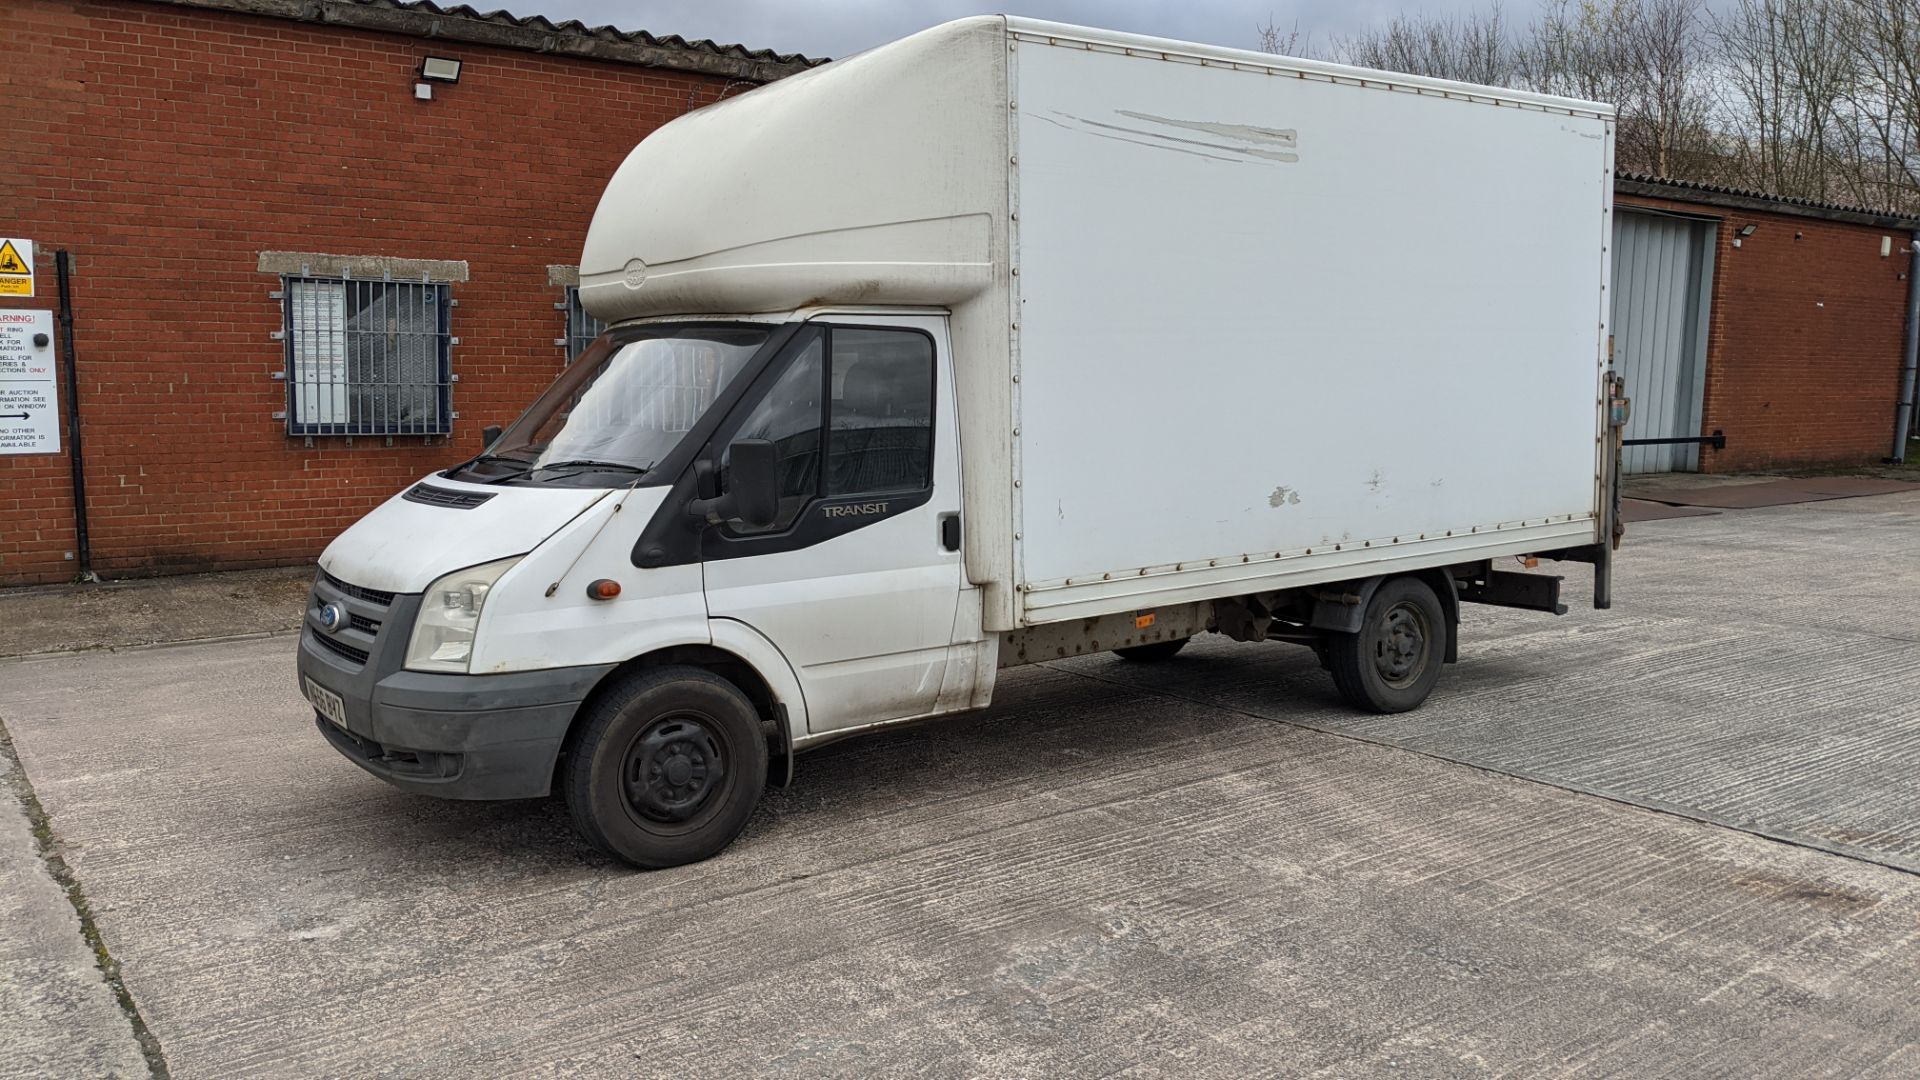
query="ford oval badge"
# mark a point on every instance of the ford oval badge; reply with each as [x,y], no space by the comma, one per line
[333,617]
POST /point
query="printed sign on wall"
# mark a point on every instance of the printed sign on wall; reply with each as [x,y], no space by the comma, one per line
[16,266]
[29,384]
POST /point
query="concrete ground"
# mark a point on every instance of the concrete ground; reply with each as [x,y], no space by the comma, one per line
[1677,838]
[58,1013]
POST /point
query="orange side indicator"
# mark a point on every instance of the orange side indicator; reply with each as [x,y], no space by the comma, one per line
[603,589]
[1141,622]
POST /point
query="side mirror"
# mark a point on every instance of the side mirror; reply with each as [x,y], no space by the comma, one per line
[489,435]
[753,487]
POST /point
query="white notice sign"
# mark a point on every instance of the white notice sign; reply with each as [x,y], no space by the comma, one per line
[29,384]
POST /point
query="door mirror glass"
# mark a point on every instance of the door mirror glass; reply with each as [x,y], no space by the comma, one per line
[750,488]
[753,482]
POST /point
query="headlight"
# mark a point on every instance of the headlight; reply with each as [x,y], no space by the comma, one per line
[449,612]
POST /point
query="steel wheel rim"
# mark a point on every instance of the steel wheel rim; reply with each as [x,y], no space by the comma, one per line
[1401,644]
[675,770]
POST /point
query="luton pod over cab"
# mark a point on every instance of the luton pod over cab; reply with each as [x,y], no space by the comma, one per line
[1003,342]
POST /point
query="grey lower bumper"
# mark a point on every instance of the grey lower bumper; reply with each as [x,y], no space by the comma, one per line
[452,736]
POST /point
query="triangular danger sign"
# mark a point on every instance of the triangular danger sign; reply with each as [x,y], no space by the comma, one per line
[11,262]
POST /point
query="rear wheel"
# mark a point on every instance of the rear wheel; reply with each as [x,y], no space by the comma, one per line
[1152,651]
[665,768]
[1391,665]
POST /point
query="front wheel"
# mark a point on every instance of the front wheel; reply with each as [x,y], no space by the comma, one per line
[1391,665]
[665,767]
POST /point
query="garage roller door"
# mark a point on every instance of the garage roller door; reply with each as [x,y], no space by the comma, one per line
[1662,271]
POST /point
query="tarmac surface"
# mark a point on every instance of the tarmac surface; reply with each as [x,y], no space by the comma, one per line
[1671,839]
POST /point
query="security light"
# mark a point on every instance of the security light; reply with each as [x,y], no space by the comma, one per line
[440,69]
[1747,230]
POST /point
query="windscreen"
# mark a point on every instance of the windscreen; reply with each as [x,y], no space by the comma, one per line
[626,402]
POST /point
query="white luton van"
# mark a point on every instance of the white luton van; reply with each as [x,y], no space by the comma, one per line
[1004,342]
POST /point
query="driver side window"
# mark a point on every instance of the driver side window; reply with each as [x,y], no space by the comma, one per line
[852,415]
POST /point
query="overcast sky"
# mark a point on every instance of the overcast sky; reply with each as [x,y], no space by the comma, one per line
[840,27]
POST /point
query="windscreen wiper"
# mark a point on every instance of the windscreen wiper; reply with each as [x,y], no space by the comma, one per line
[588,463]
[497,459]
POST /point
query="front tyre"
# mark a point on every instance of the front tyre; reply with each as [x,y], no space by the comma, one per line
[665,767]
[1390,666]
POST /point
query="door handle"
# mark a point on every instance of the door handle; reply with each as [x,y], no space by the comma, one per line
[950,530]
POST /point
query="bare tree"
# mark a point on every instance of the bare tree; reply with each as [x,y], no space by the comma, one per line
[1647,58]
[1812,98]
[1785,73]
[1882,115]
[1283,42]
[1666,51]
[1476,47]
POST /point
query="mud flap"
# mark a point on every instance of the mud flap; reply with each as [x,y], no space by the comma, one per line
[780,750]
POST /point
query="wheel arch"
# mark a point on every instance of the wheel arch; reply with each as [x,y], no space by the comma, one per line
[1343,613]
[742,656]
[1441,582]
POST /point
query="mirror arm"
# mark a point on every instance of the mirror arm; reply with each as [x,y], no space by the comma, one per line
[709,505]
[713,511]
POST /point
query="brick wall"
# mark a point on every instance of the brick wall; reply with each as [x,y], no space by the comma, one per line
[1803,350]
[167,147]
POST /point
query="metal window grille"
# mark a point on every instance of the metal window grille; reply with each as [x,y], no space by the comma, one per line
[368,357]
[581,327]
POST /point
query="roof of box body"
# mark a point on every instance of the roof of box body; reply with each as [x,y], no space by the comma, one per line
[1694,191]
[460,23]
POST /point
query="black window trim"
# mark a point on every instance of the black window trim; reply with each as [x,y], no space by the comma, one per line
[659,545]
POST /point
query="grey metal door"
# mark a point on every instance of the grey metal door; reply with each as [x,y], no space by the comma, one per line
[1662,276]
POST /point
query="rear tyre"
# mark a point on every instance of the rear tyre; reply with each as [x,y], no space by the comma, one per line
[665,768]
[1390,666]
[1152,651]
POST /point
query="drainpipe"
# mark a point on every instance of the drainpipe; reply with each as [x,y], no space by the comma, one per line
[63,268]
[1903,412]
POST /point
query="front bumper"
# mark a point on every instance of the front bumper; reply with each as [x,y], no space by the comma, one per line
[451,736]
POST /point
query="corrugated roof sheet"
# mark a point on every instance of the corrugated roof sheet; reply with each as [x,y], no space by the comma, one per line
[605,33]
[1745,198]
[536,33]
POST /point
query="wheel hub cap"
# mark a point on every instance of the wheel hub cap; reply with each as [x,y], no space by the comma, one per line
[673,768]
[1400,652]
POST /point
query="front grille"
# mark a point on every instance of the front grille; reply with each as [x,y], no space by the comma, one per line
[370,627]
[371,596]
[340,648]
[447,497]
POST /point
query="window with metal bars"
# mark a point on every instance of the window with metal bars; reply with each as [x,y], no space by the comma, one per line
[368,357]
[581,328]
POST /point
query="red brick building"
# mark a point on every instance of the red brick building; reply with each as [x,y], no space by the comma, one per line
[1803,326]
[191,154]
[297,284]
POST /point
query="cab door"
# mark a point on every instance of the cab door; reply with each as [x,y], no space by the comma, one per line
[854,581]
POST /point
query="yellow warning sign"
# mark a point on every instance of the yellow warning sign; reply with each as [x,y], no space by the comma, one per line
[16,267]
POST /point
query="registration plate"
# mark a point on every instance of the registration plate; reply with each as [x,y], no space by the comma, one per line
[325,702]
